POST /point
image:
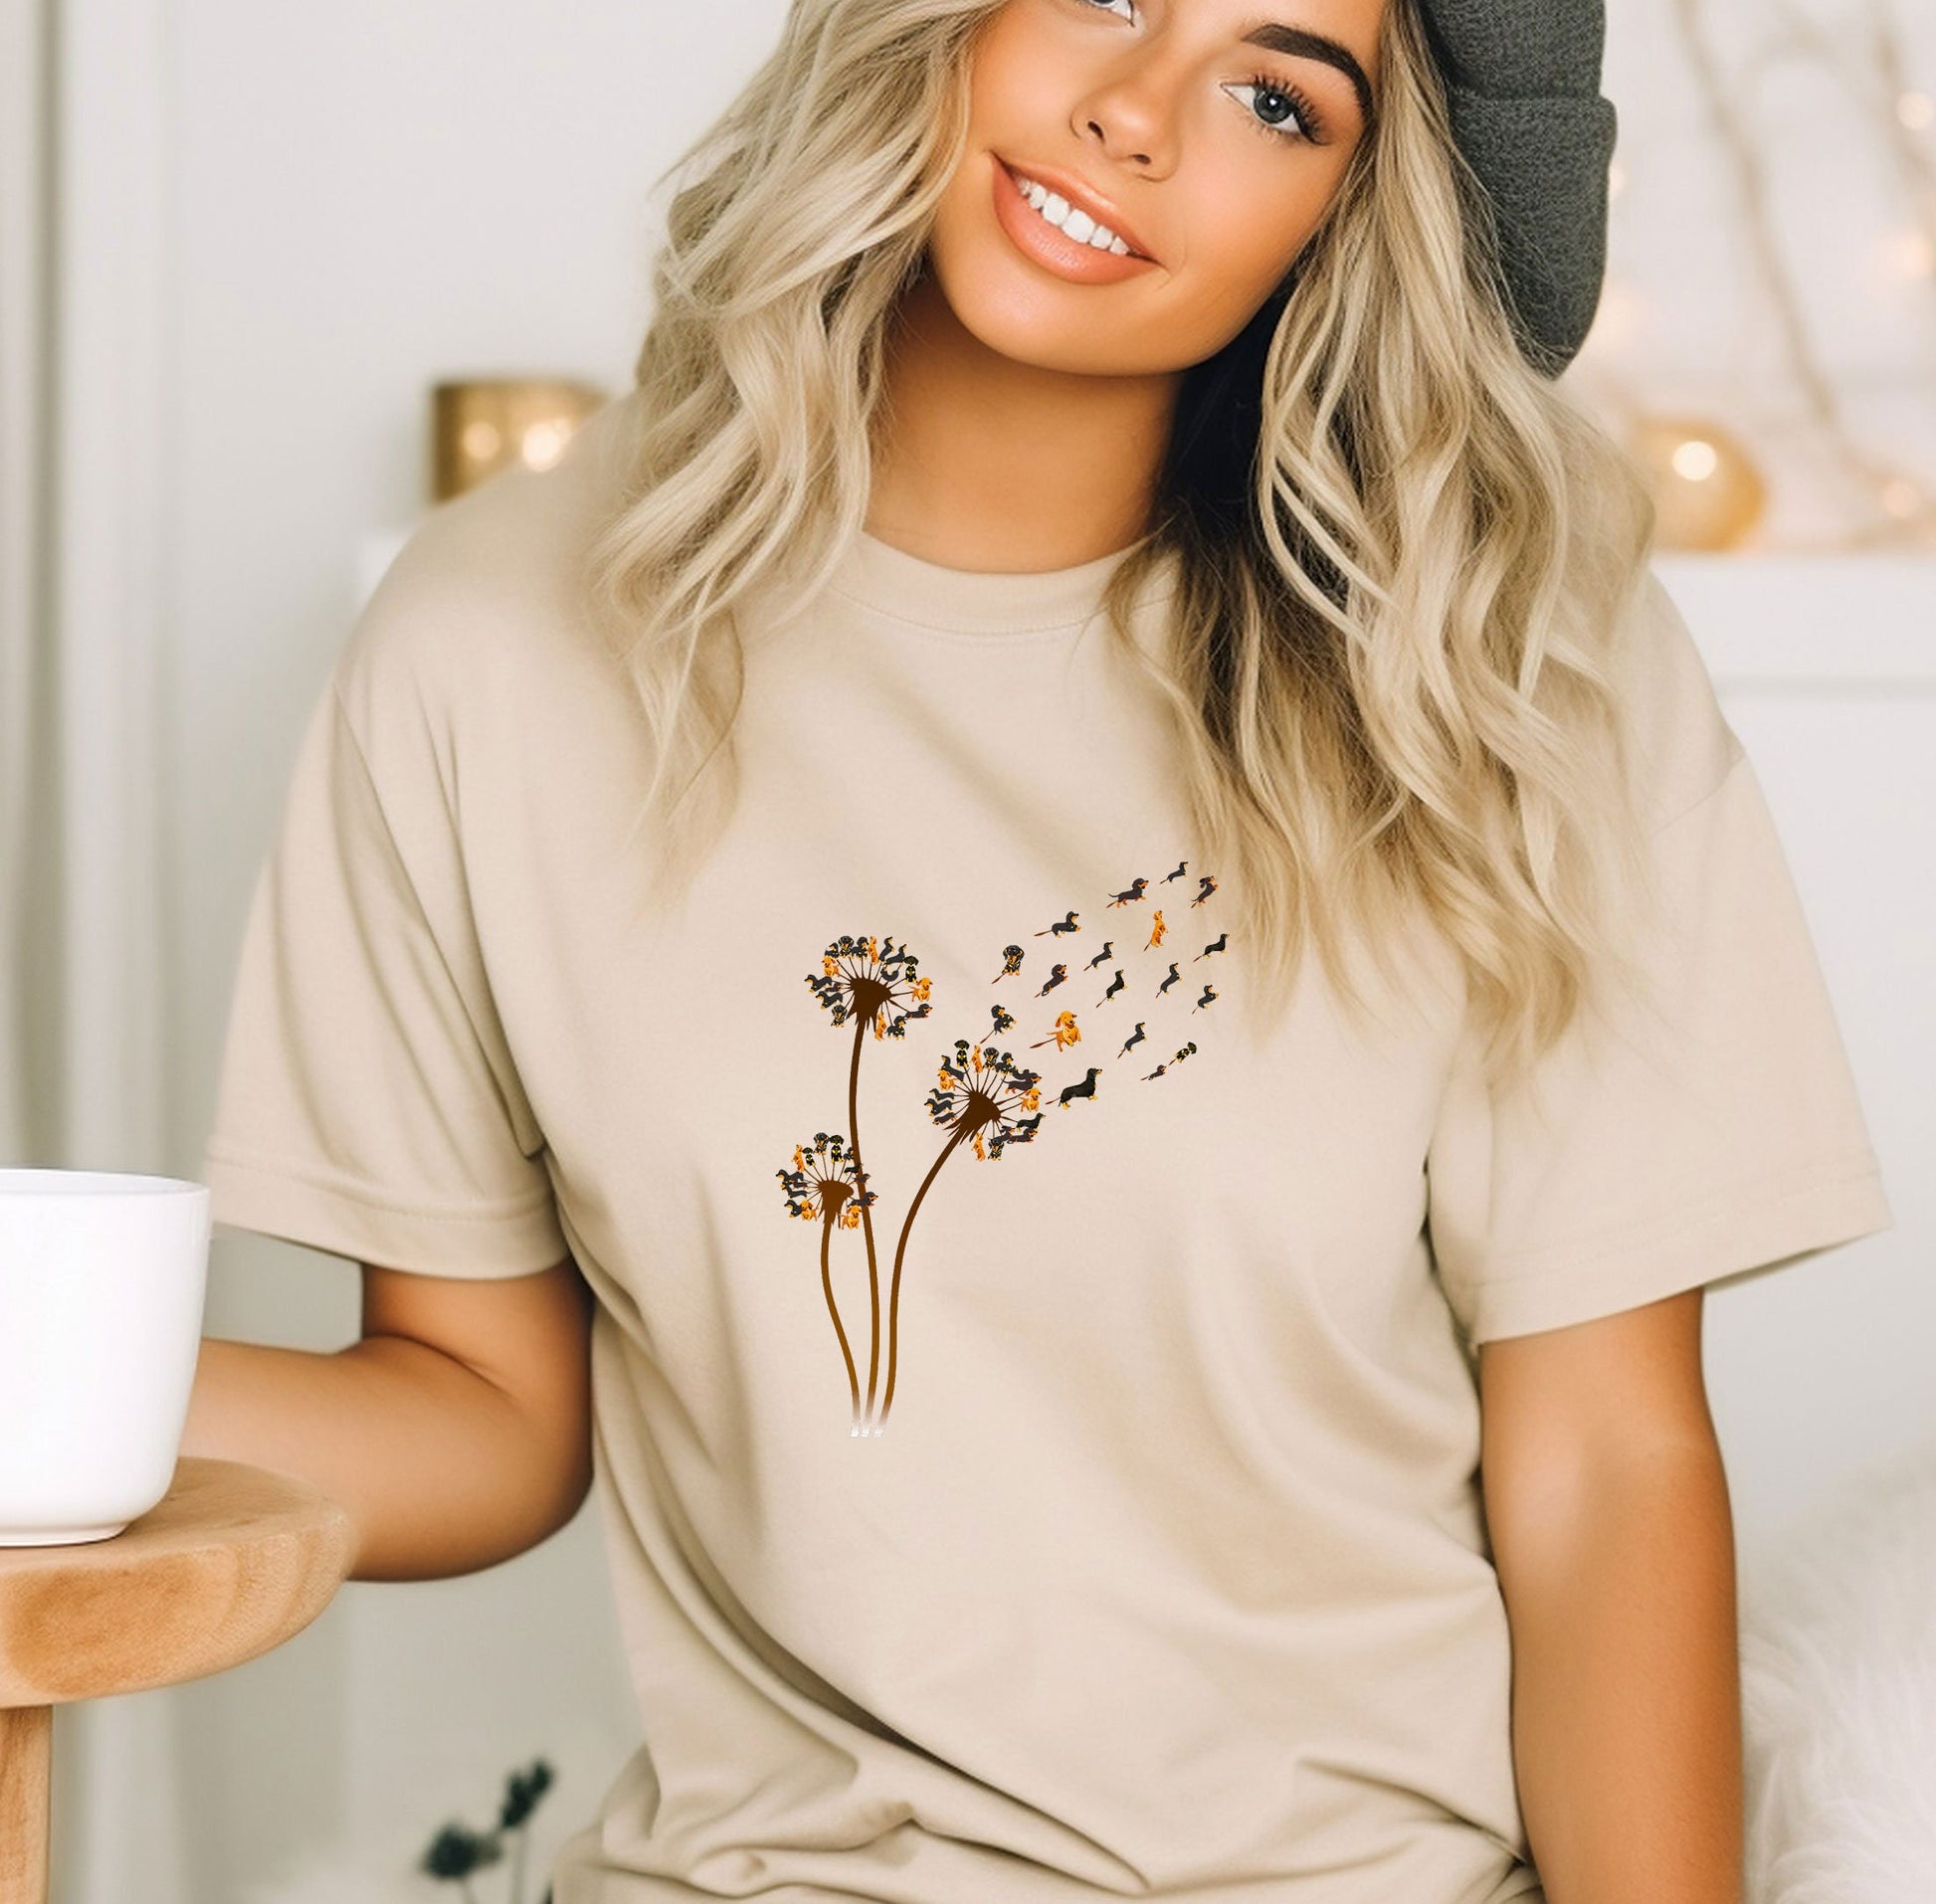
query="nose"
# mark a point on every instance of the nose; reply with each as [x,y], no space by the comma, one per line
[1129,114]
[1102,137]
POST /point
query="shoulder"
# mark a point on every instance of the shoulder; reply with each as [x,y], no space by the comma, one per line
[488,586]
[1682,747]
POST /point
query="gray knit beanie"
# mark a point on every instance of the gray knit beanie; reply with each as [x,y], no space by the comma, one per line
[1522,81]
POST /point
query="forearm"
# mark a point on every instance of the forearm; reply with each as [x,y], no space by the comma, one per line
[1627,1698]
[438,1468]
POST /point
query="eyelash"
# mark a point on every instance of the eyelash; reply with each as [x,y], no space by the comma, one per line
[1310,124]
[1311,127]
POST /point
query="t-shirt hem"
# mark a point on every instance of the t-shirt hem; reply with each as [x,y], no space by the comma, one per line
[299,1204]
[1753,1228]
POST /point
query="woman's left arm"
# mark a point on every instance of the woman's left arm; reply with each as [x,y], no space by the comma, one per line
[1611,1534]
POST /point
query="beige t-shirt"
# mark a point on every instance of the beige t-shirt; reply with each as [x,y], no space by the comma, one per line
[1167,1573]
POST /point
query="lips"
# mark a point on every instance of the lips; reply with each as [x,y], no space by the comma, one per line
[1079,195]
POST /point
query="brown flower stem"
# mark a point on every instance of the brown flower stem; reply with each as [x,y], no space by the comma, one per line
[833,1310]
[901,1250]
[861,1188]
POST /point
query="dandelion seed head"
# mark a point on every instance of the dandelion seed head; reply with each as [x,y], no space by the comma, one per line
[825,1184]
[984,1095]
[872,980]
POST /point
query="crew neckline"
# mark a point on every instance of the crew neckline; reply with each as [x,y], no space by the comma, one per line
[949,601]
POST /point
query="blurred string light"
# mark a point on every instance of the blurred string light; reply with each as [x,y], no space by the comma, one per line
[1689,466]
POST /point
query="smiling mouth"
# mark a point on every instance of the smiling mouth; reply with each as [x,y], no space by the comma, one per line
[1075,223]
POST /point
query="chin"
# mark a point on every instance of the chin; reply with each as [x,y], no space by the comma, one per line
[1042,325]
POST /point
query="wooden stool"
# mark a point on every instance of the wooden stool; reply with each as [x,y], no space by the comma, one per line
[232,1561]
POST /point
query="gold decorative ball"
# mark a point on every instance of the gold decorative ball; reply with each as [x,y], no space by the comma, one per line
[1707,488]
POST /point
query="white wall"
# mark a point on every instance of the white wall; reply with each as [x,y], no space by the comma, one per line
[372,196]
[365,199]
[1826,669]
[1686,321]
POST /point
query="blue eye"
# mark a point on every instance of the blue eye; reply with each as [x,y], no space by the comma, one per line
[1293,106]
[1288,107]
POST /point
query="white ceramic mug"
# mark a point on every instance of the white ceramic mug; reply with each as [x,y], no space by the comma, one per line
[102,1278]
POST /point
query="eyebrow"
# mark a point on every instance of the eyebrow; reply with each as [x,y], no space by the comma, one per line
[1301,44]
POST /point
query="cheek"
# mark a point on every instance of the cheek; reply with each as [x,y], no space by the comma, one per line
[1018,82]
[1240,238]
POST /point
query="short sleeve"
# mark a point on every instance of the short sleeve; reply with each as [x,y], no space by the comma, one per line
[1698,1128]
[367,1101]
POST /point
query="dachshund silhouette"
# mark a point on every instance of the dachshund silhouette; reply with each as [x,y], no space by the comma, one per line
[1104,957]
[1209,993]
[1174,977]
[1087,1088]
[1011,964]
[1067,923]
[1158,1072]
[1116,984]
[1220,944]
[1178,874]
[1057,974]
[1206,886]
[1157,930]
[1065,1034]
[1134,1038]
[1133,891]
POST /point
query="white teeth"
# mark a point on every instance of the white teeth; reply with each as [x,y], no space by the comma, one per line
[1075,224]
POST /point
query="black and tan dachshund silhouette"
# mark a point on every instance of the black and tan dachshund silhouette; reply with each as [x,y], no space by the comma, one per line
[1174,978]
[1134,1038]
[1087,1088]
[1116,984]
[1177,1058]
[999,1020]
[1158,1072]
[1133,891]
[1209,993]
[1221,944]
[1057,974]
[1104,957]
[1206,885]
[1067,923]
[1011,964]
[1178,874]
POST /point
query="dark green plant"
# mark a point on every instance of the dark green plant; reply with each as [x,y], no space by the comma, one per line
[457,1850]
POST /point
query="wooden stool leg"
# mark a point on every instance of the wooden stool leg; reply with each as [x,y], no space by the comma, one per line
[26,1799]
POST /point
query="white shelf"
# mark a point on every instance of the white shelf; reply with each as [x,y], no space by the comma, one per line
[1825,621]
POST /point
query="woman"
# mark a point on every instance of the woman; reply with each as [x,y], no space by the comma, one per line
[1099,601]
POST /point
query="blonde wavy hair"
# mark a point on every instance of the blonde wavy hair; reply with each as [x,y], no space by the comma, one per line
[1404,557]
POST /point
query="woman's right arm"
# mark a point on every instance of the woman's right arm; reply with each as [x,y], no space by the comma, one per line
[457,1432]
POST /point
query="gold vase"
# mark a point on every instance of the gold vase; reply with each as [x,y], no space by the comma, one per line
[482,425]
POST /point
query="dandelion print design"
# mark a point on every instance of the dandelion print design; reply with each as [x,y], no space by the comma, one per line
[825,1187]
[978,1100]
[876,983]
[982,1098]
